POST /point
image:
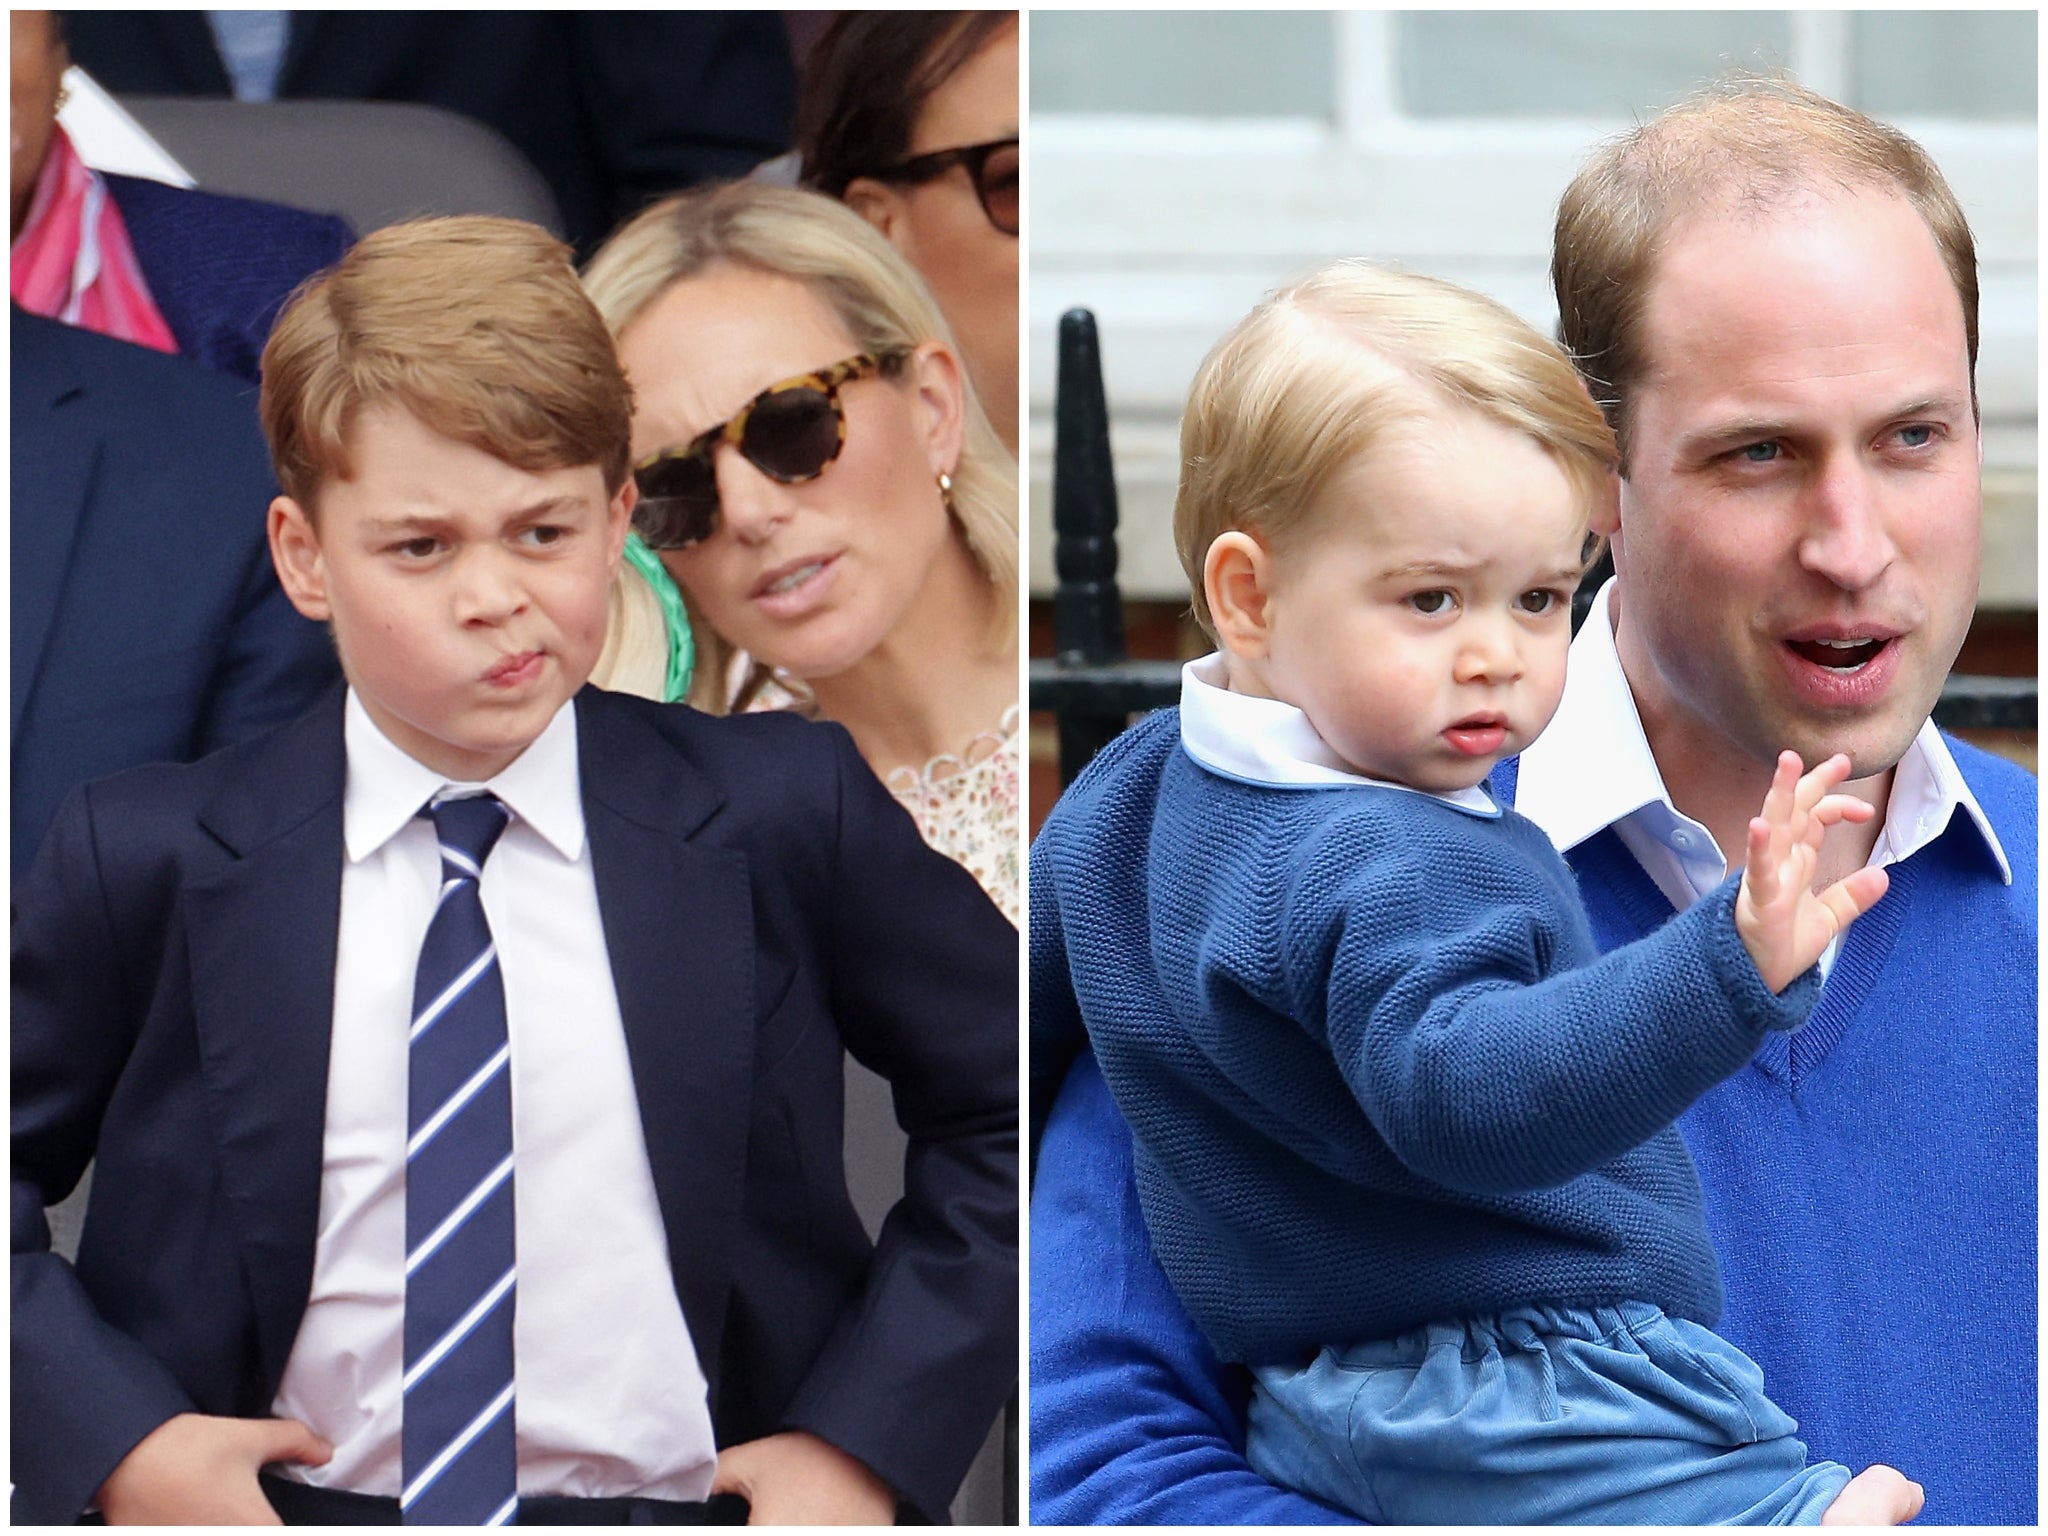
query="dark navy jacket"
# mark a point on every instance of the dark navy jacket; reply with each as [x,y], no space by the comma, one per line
[147,624]
[221,268]
[767,906]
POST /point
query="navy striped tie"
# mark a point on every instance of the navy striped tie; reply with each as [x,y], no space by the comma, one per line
[458,1422]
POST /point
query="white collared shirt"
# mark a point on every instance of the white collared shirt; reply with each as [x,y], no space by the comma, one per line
[1264,741]
[611,1399]
[1592,769]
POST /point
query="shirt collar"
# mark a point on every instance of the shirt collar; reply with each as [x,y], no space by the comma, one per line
[1263,741]
[387,787]
[1927,791]
[1593,768]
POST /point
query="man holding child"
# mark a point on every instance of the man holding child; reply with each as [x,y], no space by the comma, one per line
[1774,301]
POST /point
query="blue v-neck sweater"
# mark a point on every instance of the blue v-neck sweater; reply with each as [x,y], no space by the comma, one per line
[1870,1180]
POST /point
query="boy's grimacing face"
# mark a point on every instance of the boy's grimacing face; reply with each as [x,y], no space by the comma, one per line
[1421,612]
[468,598]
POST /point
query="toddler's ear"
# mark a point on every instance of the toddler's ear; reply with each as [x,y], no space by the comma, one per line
[1237,580]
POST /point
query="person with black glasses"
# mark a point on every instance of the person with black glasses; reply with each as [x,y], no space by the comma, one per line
[910,118]
[817,476]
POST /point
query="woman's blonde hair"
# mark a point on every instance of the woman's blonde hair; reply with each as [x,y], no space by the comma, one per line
[1319,372]
[883,304]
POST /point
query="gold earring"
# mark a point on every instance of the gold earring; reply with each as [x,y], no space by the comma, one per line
[946,489]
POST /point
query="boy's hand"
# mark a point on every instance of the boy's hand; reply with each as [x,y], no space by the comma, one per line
[1783,924]
[196,1470]
[1876,1496]
[797,1479]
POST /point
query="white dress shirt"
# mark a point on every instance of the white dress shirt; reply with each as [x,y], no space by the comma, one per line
[1592,769]
[611,1399]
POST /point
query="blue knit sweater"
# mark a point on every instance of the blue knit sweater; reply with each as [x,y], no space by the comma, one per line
[1870,1186]
[1377,1069]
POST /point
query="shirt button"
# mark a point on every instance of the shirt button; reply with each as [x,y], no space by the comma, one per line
[1682,841]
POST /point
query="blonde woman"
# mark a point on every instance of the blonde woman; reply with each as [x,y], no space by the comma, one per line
[818,478]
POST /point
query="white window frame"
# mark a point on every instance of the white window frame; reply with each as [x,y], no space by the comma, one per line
[1170,227]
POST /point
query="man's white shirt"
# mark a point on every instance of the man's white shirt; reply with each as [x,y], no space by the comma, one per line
[610,1399]
[1592,769]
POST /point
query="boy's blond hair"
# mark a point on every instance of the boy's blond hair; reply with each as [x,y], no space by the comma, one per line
[885,307]
[1747,144]
[476,327]
[1319,372]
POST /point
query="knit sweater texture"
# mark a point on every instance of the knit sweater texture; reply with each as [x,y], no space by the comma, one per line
[1376,1066]
[1869,1180]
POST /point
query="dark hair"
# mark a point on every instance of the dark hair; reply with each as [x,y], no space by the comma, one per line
[868,79]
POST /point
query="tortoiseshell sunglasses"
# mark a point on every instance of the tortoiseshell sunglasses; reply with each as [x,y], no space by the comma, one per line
[791,432]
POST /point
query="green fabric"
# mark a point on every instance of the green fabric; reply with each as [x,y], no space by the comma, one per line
[682,646]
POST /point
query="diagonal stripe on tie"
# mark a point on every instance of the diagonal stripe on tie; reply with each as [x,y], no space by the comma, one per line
[457,1432]
[455,991]
[455,1219]
[448,1453]
[455,1101]
[455,1335]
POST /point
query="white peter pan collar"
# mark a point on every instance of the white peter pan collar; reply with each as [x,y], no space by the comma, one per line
[1263,741]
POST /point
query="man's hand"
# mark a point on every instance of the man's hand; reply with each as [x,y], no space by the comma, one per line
[797,1479]
[196,1470]
[1783,924]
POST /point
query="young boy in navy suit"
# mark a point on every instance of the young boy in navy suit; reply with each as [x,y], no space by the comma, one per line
[462,1061]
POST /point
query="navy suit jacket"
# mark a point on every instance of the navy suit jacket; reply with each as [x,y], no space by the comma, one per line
[767,906]
[147,624]
[220,268]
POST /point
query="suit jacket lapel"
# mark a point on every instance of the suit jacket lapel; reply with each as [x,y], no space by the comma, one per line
[262,933]
[56,453]
[678,920]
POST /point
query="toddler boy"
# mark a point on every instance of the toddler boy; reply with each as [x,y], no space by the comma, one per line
[1404,1140]
[462,1061]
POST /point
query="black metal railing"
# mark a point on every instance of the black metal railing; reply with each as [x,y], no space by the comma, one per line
[1093,689]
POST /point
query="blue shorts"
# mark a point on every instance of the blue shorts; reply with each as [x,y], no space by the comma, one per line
[1540,1416]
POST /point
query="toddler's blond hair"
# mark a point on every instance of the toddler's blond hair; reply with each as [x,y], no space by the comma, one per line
[1318,373]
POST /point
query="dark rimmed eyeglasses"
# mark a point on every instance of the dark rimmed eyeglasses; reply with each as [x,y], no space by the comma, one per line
[791,432]
[992,167]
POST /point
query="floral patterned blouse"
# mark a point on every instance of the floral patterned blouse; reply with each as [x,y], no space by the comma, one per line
[969,807]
